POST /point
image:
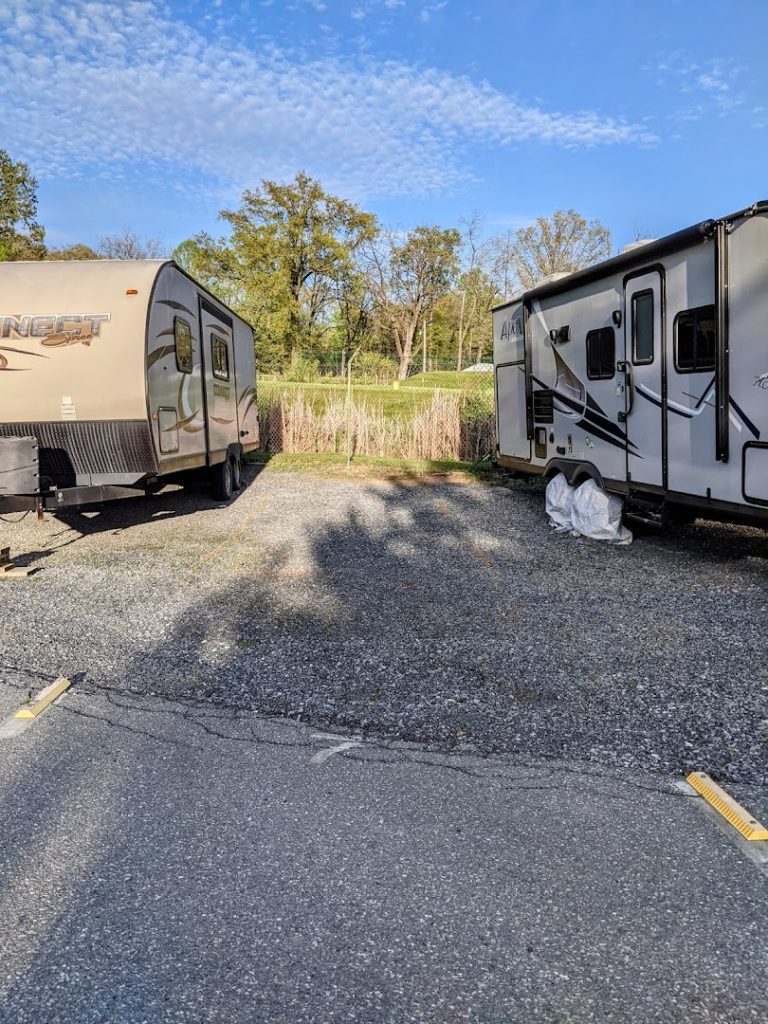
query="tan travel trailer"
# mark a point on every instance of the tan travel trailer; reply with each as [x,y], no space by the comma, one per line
[115,374]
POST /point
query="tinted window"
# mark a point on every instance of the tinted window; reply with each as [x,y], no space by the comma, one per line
[182,334]
[642,327]
[695,340]
[601,354]
[220,356]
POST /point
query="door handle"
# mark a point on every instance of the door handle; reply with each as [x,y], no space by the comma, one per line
[626,367]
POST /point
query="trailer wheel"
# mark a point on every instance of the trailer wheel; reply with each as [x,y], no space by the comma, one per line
[221,478]
[237,473]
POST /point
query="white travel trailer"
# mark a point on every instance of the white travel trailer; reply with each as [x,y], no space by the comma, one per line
[115,374]
[647,373]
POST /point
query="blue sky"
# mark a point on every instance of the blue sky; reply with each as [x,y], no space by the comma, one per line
[156,115]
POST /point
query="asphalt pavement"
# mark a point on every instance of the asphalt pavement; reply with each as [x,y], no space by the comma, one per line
[167,861]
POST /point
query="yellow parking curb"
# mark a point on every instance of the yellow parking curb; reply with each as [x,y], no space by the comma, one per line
[44,698]
[724,804]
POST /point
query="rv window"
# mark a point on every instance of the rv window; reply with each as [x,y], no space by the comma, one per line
[695,340]
[601,354]
[220,357]
[182,335]
[642,327]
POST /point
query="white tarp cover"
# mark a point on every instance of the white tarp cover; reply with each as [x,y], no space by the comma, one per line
[585,510]
[559,501]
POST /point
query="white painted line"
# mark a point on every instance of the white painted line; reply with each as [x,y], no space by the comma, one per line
[323,755]
[756,851]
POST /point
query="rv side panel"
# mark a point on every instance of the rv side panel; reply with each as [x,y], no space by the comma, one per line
[748,363]
[72,367]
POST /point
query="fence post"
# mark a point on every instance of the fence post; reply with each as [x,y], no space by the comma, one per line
[349,407]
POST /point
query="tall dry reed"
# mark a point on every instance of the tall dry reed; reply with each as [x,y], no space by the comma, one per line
[449,426]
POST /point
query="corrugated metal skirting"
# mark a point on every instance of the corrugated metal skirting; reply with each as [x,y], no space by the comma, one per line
[76,448]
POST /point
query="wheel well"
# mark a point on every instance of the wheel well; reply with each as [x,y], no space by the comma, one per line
[575,473]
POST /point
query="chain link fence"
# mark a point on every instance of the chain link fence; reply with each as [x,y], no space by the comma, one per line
[443,414]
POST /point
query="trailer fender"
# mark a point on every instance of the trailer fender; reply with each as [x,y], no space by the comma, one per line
[574,471]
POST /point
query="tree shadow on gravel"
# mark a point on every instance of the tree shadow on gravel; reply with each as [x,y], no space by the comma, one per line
[70,526]
[175,501]
[453,615]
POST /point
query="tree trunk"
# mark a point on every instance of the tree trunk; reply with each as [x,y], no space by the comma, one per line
[461,330]
[406,349]
[293,330]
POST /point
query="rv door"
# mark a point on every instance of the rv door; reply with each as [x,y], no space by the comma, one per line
[217,346]
[513,425]
[643,383]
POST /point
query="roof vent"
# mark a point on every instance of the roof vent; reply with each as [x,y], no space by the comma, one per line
[550,278]
[637,245]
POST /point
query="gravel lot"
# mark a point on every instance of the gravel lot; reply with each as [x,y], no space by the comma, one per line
[441,612]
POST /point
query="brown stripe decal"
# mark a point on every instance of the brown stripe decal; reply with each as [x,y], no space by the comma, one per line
[188,419]
[159,353]
[174,305]
[20,352]
[246,410]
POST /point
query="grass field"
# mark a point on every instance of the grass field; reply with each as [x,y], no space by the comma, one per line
[330,464]
[401,399]
[452,380]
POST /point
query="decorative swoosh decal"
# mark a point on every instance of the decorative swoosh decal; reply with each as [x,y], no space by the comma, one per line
[159,353]
[188,419]
[220,329]
[592,418]
[16,351]
[174,305]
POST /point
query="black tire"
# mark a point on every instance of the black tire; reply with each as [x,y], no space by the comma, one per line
[237,473]
[221,478]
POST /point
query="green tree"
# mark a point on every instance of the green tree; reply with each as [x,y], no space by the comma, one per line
[566,241]
[76,251]
[21,237]
[407,277]
[294,245]
[212,262]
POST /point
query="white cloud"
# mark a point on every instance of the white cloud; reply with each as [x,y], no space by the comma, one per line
[431,8]
[713,84]
[107,88]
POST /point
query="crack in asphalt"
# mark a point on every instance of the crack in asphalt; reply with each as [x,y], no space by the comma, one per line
[132,701]
[375,750]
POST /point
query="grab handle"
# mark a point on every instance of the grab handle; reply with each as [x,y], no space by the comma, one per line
[626,367]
